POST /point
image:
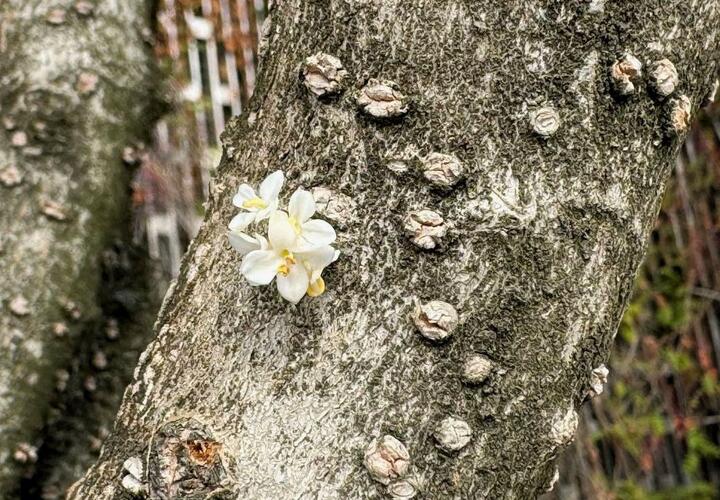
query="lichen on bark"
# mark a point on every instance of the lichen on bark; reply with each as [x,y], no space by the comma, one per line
[546,236]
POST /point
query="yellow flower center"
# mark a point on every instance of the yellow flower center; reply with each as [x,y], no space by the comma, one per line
[288,261]
[316,288]
[295,225]
[258,203]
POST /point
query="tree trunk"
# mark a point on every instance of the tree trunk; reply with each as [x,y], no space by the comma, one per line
[243,393]
[76,85]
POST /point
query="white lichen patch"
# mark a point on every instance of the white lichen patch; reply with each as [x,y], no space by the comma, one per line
[564,425]
[663,77]
[506,200]
[553,481]
[442,170]
[334,205]
[382,99]
[425,228]
[598,379]
[386,459]
[452,434]
[435,320]
[10,176]
[134,466]
[626,73]
[323,75]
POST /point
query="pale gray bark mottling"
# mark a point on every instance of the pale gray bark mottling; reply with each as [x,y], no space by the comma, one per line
[76,80]
[544,236]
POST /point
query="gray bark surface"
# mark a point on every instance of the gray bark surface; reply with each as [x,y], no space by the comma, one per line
[244,396]
[76,86]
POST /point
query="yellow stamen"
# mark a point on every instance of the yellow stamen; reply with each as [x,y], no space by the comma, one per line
[316,288]
[258,203]
[295,225]
[289,260]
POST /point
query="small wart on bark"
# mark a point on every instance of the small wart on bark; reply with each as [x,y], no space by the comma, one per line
[402,490]
[86,83]
[53,210]
[19,139]
[598,379]
[626,73]
[25,453]
[323,75]
[477,369]
[382,100]
[663,78]
[545,121]
[185,462]
[56,16]
[425,228]
[435,320]
[680,114]
[453,434]
[10,176]
[442,170]
[386,459]
[84,8]
[19,306]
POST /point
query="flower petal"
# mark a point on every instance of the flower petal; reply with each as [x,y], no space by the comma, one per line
[241,221]
[280,232]
[293,286]
[243,243]
[302,205]
[271,186]
[260,266]
[318,259]
[244,193]
[315,233]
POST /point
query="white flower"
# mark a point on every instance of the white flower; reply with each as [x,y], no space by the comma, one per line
[244,243]
[298,272]
[257,206]
[311,233]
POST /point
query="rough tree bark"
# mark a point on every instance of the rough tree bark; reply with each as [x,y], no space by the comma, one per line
[246,396]
[76,87]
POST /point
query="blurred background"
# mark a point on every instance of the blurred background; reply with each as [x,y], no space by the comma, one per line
[653,434]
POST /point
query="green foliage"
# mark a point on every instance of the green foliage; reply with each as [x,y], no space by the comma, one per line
[699,447]
[629,490]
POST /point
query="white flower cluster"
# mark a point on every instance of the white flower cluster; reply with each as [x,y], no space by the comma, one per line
[297,248]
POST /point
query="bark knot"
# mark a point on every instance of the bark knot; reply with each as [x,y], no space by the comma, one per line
[663,78]
[477,369]
[382,100]
[442,170]
[452,434]
[185,461]
[435,320]
[323,75]
[386,459]
[626,73]
[425,228]
[545,121]
[10,176]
